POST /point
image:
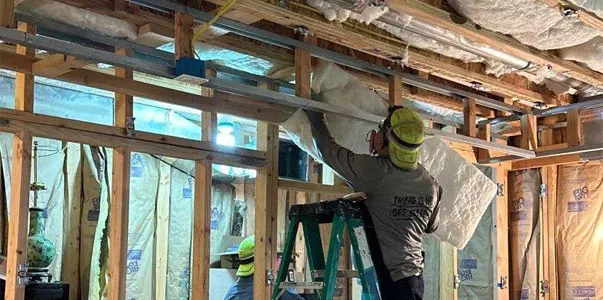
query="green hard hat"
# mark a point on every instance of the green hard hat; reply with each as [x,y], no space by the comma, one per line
[246,252]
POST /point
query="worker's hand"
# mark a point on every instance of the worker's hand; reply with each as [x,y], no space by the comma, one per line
[359,196]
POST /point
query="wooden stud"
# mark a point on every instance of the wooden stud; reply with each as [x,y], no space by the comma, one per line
[120,194]
[209,127]
[529,132]
[551,228]
[56,65]
[201,230]
[484,133]
[124,103]
[162,227]
[7,13]
[469,117]
[302,186]
[502,232]
[118,220]
[183,35]
[19,212]
[574,128]
[303,69]
[395,90]
[24,83]
[266,184]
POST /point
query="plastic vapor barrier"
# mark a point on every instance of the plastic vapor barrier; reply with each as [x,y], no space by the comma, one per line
[579,231]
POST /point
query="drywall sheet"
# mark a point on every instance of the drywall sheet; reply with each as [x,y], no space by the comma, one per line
[467,192]
[180,231]
[524,199]
[475,265]
[144,182]
[579,231]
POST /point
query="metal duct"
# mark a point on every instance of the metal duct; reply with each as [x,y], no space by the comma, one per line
[442,35]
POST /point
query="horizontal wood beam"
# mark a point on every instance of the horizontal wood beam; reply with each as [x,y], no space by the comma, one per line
[368,39]
[219,102]
[585,16]
[56,65]
[545,161]
[114,137]
[7,13]
[303,186]
[435,16]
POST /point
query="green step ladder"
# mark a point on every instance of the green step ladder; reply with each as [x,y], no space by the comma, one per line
[342,213]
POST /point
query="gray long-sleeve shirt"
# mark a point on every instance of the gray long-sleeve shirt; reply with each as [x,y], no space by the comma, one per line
[401,202]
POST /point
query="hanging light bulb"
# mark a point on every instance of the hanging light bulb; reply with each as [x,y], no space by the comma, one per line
[225,131]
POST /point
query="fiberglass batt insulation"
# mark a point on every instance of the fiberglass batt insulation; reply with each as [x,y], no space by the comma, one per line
[579,230]
[467,192]
[524,233]
[530,22]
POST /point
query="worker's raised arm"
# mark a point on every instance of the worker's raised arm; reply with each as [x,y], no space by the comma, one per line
[361,171]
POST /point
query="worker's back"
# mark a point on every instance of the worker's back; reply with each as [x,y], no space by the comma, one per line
[401,205]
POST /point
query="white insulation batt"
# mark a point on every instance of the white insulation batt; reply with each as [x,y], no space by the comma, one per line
[78,17]
[467,192]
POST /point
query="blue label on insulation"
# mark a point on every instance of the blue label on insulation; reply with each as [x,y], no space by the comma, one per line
[135,255]
[519,215]
[577,206]
[583,291]
[525,294]
[187,193]
[469,263]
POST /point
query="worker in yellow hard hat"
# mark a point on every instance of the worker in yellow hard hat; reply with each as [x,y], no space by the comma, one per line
[243,288]
[402,197]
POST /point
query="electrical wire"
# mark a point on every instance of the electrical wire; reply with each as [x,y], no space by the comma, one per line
[199,30]
[171,165]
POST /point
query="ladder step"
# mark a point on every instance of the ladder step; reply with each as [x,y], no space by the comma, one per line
[340,273]
[301,285]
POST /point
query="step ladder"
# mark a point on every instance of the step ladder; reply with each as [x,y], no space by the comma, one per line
[342,213]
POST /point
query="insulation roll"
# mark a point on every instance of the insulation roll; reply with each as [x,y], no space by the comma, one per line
[524,233]
[579,230]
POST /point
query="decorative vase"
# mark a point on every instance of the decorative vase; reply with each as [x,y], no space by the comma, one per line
[40,250]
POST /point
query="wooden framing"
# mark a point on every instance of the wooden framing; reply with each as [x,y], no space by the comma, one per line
[585,16]
[395,90]
[56,65]
[7,13]
[469,123]
[529,132]
[120,194]
[574,128]
[20,181]
[201,230]
[502,233]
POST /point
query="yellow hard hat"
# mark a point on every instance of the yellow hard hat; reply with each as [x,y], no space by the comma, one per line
[405,136]
[246,252]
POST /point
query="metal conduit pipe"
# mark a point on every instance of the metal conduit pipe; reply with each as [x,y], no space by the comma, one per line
[442,35]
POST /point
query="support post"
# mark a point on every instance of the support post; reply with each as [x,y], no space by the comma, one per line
[484,133]
[7,13]
[18,217]
[20,180]
[574,128]
[266,207]
[529,132]
[551,202]
[209,126]
[201,230]
[502,232]
[120,195]
[469,117]
[395,90]
[24,83]
[183,35]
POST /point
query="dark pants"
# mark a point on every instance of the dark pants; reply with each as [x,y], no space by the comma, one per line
[409,288]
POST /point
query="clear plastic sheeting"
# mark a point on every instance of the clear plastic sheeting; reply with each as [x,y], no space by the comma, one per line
[467,192]
[531,22]
[524,233]
[579,230]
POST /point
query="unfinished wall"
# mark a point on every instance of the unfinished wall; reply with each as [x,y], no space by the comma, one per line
[579,230]
[524,233]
